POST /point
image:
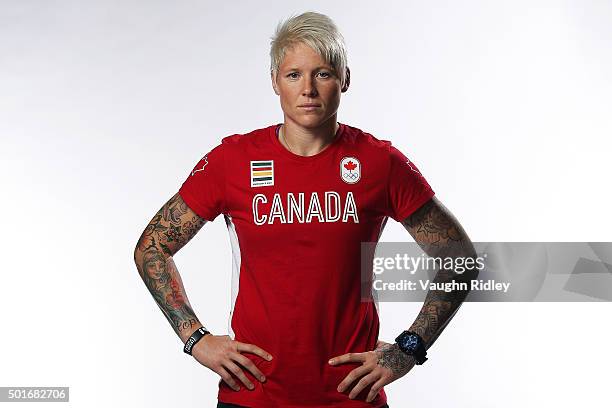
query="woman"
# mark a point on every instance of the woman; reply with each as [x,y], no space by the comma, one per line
[298,199]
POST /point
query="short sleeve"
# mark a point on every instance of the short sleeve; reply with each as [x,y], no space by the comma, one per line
[204,189]
[407,188]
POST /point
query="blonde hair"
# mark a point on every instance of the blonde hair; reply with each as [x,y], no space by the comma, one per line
[317,31]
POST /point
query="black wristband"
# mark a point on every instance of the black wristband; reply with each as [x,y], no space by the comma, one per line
[194,338]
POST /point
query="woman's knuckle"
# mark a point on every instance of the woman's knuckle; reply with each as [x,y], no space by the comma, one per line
[362,383]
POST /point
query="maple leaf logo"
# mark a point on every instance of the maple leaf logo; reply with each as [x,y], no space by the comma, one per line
[350,166]
[205,158]
[409,163]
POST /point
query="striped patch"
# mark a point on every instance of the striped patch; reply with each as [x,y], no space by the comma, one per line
[262,173]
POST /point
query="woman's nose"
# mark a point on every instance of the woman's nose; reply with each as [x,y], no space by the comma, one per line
[309,88]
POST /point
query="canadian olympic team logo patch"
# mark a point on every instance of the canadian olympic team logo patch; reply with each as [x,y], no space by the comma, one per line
[350,170]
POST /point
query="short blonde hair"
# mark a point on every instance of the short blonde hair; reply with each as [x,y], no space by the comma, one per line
[317,31]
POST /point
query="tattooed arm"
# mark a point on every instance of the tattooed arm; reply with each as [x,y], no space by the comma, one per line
[439,234]
[169,230]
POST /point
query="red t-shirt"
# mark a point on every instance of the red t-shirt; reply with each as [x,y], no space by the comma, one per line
[296,225]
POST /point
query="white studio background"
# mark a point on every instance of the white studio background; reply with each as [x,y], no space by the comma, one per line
[105,106]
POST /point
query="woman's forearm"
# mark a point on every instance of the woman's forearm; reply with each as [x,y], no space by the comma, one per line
[440,306]
[163,280]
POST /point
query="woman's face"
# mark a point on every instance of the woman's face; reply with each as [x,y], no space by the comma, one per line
[305,78]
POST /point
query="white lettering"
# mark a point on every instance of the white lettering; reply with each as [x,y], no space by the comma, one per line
[350,209]
[277,210]
[256,200]
[291,208]
[314,209]
[296,208]
[328,206]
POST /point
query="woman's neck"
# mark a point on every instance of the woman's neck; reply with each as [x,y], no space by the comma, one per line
[307,142]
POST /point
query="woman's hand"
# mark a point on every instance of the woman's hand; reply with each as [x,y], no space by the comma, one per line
[222,354]
[378,368]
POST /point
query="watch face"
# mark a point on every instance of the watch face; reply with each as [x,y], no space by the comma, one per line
[412,344]
[409,342]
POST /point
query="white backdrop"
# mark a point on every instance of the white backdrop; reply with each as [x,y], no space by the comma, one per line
[105,106]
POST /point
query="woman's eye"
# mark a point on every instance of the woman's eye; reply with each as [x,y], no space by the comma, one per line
[294,75]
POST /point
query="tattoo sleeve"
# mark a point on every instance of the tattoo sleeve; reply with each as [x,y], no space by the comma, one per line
[169,230]
[391,357]
[439,234]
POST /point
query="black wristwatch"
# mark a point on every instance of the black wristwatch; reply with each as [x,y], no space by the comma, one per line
[413,345]
[194,338]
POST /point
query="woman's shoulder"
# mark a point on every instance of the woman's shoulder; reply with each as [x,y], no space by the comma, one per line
[365,138]
[254,136]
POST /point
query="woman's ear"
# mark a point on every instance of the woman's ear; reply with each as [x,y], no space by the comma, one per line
[347,80]
[274,84]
